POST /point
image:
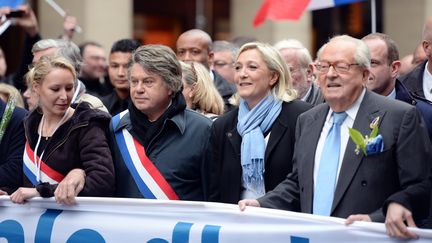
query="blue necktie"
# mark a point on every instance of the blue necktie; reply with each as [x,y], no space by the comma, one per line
[328,167]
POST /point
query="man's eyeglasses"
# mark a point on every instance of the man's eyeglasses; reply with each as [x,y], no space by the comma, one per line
[221,64]
[339,66]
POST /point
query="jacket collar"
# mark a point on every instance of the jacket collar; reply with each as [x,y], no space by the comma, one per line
[414,79]
[178,121]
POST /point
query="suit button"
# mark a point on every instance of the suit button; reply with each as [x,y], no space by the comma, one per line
[413,102]
[229,134]
[364,183]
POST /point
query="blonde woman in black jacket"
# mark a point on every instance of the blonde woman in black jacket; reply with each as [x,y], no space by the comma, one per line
[61,138]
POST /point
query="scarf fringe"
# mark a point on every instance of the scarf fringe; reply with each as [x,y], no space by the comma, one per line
[253,176]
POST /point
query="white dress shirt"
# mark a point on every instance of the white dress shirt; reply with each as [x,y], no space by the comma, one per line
[348,123]
[304,98]
[427,83]
[392,94]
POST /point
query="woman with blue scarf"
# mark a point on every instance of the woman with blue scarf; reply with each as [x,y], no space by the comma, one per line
[252,145]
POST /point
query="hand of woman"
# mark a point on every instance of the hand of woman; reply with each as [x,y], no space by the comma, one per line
[70,186]
[248,202]
[23,193]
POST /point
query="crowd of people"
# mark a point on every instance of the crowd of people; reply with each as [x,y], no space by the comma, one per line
[345,135]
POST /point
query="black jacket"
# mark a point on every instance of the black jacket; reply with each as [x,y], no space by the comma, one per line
[114,104]
[225,88]
[178,152]
[79,143]
[422,104]
[11,150]
[225,168]
[413,80]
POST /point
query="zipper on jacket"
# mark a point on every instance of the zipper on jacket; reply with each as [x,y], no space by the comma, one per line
[65,138]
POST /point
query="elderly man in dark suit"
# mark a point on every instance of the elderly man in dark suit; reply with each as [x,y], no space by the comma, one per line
[331,176]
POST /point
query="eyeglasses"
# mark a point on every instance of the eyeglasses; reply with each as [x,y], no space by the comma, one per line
[339,66]
[221,64]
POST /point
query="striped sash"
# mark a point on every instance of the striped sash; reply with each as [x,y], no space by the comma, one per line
[147,177]
[30,168]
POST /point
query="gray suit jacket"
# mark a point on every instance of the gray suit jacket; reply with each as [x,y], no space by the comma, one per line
[315,96]
[366,184]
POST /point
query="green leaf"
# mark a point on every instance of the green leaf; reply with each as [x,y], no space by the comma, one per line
[374,132]
[7,114]
[357,138]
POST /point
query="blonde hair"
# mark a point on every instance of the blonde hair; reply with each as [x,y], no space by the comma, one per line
[9,91]
[283,88]
[205,98]
[45,65]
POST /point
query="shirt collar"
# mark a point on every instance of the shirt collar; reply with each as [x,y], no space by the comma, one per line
[427,79]
[304,98]
[352,111]
[392,94]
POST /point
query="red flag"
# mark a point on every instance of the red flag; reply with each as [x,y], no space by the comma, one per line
[280,9]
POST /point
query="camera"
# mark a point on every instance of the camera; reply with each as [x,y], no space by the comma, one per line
[15,14]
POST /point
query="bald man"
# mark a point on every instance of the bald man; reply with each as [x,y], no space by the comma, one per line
[195,46]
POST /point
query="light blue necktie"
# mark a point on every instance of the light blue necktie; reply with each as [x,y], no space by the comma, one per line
[328,167]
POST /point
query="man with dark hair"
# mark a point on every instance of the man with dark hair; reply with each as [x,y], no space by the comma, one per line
[120,55]
[385,65]
[93,70]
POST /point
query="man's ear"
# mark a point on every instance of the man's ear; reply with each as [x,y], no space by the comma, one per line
[395,67]
[366,73]
[427,48]
[210,59]
[309,73]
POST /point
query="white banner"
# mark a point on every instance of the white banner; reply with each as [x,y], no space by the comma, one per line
[155,221]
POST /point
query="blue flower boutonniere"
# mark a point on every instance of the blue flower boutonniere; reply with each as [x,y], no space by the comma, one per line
[369,144]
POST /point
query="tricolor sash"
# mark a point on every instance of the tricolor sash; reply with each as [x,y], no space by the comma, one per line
[30,168]
[147,177]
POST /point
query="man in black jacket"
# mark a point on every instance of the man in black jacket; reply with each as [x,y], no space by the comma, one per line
[419,81]
[11,148]
[383,80]
[120,55]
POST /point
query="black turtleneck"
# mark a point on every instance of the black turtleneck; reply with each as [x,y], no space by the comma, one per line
[146,130]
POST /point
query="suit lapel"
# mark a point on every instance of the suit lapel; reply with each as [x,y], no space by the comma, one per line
[312,131]
[367,112]
[235,140]
[277,131]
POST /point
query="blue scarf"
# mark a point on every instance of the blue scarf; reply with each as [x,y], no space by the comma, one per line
[252,124]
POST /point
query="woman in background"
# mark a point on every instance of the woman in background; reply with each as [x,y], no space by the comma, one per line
[7,91]
[200,92]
